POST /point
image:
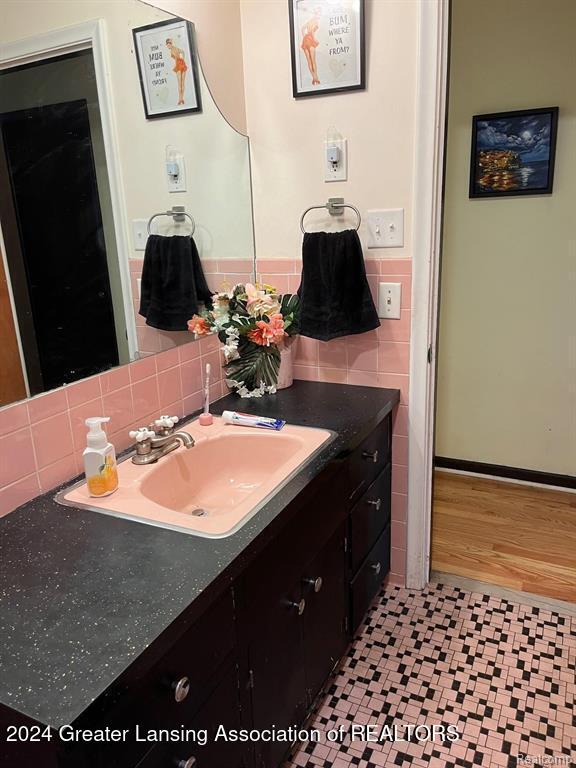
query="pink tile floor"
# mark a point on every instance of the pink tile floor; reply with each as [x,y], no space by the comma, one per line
[504,674]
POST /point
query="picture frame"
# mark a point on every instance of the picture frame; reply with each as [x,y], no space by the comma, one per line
[327,44]
[513,153]
[168,68]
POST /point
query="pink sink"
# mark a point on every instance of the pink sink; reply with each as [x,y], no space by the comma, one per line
[213,488]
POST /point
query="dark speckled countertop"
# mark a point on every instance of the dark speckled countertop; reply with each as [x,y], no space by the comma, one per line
[84,594]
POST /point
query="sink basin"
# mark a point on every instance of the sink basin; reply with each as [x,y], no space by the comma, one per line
[213,488]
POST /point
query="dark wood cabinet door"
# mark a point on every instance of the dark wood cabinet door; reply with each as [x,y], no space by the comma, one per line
[277,672]
[324,619]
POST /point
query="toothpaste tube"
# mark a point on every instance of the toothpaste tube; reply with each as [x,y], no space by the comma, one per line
[248,420]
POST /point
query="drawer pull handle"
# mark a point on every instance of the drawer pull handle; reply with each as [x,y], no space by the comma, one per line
[376,567]
[316,583]
[300,606]
[181,689]
[375,503]
[370,456]
[190,763]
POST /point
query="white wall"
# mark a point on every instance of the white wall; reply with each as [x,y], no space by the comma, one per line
[216,156]
[287,135]
[507,351]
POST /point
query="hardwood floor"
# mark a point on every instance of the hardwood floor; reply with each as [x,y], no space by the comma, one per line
[516,536]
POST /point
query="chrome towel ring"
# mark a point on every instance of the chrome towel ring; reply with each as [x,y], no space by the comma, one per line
[178,214]
[334,206]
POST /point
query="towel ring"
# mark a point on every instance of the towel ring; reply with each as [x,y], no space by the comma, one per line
[177,213]
[334,207]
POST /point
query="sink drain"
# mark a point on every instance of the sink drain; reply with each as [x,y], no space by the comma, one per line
[200,512]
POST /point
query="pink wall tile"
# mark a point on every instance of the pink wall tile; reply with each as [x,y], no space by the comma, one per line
[209,344]
[191,377]
[396,381]
[276,266]
[362,354]
[43,406]
[333,375]
[189,351]
[149,339]
[235,265]
[13,417]
[398,562]
[17,456]
[399,507]
[398,535]
[331,354]
[394,356]
[52,439]
[396,330]
[214,359]
[305,373]
[115,379]
[192,403]
[400,420]
[82,391]
[399,478]
[12,496]
[372,266]
[57,473]
[168,359]
[169,386]
[118,406]
[142,369]
[400,450]
[145,398]
[306,351]
[390,267]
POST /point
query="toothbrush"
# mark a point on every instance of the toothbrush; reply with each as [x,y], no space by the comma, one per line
[206,417]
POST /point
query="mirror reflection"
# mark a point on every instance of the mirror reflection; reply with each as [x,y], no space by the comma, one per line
[85,177]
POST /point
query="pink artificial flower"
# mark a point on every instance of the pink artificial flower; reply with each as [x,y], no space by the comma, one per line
[266,334]
[198,326]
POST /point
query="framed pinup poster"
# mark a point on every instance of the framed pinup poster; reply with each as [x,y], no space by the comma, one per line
[168,68]
[327,43]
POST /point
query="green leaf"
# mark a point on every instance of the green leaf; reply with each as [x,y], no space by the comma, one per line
[256,364]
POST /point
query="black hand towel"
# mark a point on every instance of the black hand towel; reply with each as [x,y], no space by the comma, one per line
[335,298]
[173,282]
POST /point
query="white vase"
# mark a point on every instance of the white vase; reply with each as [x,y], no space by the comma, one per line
[286,373]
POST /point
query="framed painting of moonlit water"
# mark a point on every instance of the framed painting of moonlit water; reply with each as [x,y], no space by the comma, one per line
[327,45]
[513,153]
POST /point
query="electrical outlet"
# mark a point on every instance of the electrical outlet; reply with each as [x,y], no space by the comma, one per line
[335,160]
[389,298]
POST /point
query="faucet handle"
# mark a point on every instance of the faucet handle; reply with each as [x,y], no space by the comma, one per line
[141,434]
[167,422]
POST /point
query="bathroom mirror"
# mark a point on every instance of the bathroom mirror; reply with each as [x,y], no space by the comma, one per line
[82,171]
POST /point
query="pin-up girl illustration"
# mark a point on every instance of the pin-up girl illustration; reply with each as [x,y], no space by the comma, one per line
[309,44]
[180,67]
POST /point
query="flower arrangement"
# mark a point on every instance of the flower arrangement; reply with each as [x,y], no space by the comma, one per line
[252,322]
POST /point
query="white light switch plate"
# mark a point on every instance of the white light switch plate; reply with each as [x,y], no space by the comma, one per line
[386,228]
[389,297]
[338,172]
[140,233]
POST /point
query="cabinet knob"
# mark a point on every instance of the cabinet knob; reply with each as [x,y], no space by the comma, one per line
[190,763]
[300,606]
[370,456]
[375,503]
[376,567]
[316,583]
[181,690]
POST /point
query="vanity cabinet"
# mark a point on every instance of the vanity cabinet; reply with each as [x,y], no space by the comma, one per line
[295,636]
[259,653]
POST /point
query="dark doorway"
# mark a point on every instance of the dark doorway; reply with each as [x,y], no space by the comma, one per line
[61,267]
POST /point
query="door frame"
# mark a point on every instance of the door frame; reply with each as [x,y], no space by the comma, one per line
[58,42]
[431,95]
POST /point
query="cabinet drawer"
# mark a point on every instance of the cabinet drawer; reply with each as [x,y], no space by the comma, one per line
[369,517]
[367,582]
[173,690]
[201,749]
[369,459]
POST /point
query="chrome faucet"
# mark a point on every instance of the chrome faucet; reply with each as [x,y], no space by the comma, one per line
[158,439]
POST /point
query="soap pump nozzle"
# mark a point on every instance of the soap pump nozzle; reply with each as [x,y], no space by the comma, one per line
[96,437]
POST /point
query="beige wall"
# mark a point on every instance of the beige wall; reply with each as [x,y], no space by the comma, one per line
[220,48]
[507,352]
[287,135]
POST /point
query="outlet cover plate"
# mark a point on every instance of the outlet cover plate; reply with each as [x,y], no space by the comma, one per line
[389,299]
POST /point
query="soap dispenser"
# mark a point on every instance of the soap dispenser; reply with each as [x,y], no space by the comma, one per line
[99,459]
